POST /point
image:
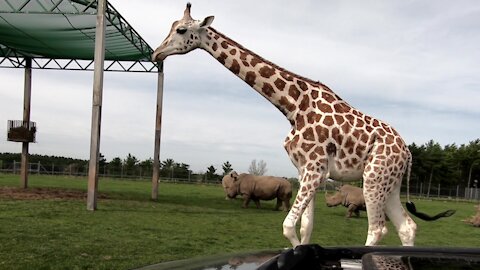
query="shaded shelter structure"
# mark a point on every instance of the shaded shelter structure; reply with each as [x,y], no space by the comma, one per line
[87,35]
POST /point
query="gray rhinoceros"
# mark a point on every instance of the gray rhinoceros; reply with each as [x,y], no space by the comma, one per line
[256,188]
[350,197]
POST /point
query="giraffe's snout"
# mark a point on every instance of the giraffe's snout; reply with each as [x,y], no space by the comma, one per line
[157,55]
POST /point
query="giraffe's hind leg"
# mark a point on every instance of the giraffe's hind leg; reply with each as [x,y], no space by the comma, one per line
[375,201]
[376,222]
[404,224]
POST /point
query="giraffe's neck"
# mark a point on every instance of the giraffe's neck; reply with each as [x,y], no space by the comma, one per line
[289,92]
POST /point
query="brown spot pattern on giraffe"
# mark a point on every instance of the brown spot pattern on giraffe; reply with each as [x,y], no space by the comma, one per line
[293,92]
[280,84]
[328,121]
[287,104]
[255,61]
[267,89]
[222,57]
[302,85]
[324,107]
[308,134]
[341,107]
[322,133]
[250,78]
[235,67]
[339,119]
[266,71]
[300,122]
[304,103]
[286,76]
[313,117]
[328,97]
[224,44]
[307,146]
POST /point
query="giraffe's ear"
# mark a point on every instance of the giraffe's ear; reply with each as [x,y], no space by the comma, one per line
[207,21]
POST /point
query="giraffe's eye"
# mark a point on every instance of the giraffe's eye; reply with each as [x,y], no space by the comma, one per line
[181,30]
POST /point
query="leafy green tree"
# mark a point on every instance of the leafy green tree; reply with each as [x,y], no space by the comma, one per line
[227,167]
[182,170]
[167,168]
[417,170]
[468,156]
[146,167]
[453,172]
[115,166]
[130,165]
[433,157]
[210,174]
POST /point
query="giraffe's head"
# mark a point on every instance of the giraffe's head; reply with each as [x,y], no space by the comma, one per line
[186,35]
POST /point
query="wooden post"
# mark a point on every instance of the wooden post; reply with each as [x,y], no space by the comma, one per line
[99,58]
[27,94]
[158,130]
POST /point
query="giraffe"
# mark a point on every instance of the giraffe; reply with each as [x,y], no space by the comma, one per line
[329,138]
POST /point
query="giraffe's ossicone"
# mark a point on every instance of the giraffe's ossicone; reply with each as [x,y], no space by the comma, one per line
[329,138]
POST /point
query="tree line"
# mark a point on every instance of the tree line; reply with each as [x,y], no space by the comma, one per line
[450,165]
[130,166]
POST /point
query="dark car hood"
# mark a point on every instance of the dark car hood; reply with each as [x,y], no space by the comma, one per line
[239,261]
[316,257]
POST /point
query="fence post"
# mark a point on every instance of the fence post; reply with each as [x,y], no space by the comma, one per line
[457,192]
[438,194]
[38,168]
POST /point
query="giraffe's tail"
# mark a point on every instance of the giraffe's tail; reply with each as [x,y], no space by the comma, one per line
[411,206]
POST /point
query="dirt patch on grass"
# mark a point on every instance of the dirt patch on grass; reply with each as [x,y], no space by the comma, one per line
[474,220]
[44,194]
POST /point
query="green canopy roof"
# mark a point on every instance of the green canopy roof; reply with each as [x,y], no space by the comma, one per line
[58,30]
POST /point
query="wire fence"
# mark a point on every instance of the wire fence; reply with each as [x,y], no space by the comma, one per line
[418,189]
[81,170]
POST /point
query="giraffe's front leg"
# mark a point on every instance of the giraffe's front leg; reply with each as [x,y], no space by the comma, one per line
[289,227]
[303,199]
[306,226]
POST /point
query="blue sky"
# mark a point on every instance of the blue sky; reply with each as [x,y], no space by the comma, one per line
[413,64]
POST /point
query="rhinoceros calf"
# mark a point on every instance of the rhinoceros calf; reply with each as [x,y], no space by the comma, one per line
[350,197]
[256,188]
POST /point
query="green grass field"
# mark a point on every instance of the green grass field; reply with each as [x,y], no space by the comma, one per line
[129,230]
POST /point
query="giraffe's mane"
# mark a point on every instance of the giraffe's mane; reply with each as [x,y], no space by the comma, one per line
[273,65]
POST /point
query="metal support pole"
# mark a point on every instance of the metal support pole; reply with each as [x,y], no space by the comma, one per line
[99,58]
[27,94]
[158,130]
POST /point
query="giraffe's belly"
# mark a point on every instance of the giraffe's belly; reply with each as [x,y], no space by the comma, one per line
[339,172]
